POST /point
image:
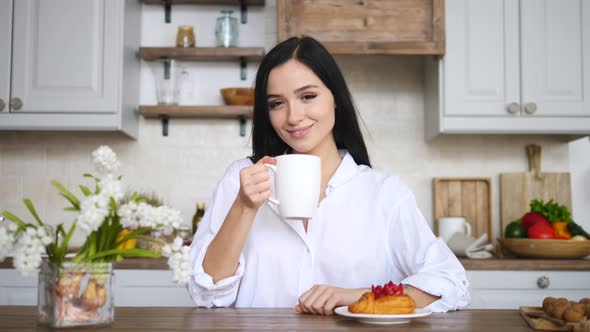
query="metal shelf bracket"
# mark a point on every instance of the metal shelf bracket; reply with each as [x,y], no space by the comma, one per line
[242,126]
[167,11]
[243,66]
[165,119]
[244,11]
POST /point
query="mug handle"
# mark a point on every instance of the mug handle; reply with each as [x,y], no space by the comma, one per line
[467,227]
[272,198]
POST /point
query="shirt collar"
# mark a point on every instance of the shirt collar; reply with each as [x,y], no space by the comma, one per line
[345,171]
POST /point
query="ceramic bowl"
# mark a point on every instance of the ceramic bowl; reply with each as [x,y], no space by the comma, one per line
[238,96]
[533,248]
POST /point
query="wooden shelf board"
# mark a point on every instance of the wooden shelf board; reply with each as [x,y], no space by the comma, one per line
[201,53]
[385,48]
[206,2]
[212,112]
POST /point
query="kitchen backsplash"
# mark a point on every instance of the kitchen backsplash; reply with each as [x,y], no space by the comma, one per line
[184,167]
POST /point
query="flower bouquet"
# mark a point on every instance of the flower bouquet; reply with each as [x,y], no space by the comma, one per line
[75,289]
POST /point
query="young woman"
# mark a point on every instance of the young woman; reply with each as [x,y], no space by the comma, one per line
[366,230]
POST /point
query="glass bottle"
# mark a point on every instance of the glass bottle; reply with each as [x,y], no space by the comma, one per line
[185,37]
[226,30]
[200,211]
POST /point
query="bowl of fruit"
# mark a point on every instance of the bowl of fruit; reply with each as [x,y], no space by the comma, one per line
[546,231]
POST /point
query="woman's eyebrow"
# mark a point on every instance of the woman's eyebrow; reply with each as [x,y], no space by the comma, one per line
[303,88]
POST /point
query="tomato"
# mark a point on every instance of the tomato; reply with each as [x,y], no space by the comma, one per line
[541,231]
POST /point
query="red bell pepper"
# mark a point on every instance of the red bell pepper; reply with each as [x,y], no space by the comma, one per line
[541,231]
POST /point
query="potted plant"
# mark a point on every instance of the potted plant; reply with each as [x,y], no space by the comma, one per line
[77,290]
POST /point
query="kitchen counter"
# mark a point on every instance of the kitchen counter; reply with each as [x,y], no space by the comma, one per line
[21,318]
[508,264]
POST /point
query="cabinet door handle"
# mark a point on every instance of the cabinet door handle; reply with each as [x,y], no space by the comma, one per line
[513,108]
[543,282]
[16,103]
[2,104]
[530,108]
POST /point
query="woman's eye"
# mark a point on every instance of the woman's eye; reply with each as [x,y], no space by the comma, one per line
[274,104]
[309,96]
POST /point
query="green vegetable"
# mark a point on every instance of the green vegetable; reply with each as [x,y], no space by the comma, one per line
[515,230]
[576,229]
[551,210]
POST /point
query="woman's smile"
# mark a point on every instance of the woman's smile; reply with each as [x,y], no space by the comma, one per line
[300,132]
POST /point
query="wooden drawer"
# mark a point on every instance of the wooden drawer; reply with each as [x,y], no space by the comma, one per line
[512,289]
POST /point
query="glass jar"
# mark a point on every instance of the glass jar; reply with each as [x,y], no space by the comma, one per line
[226,30]
[185,37]
[76,294]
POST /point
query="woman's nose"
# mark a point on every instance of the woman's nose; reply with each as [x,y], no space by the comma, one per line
[296,113]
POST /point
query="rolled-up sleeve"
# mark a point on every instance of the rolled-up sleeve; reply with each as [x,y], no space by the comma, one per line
[203,291]
[427,261]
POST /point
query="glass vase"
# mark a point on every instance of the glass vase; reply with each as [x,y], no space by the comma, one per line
[76,294]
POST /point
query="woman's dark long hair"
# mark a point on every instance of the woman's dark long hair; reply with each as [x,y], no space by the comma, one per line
[308,51]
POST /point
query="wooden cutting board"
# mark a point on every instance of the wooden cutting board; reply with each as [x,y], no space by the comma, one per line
[541,324]
[518,189]
[464,197]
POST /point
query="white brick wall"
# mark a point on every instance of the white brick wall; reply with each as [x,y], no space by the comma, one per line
[184,167]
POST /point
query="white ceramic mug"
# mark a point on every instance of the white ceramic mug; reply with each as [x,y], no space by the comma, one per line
[447,226]
[297,185]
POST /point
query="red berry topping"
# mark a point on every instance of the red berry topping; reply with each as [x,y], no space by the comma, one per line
[388,289]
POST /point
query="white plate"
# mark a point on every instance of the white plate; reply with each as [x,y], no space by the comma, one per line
[382,319]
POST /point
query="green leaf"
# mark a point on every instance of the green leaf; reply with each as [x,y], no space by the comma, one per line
[132,252]
[67,237]
[67,194]
[10,216]
[31,208]
[87,192]
[70,208]
[88,175]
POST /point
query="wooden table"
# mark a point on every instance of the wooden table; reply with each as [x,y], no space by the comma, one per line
[22,318]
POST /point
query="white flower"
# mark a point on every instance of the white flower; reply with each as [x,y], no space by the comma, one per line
[105,160]
[111,187]
[93,210]
[179,261]
[29,248]
[7,240]
[168,219]
[146,215]
[129,215]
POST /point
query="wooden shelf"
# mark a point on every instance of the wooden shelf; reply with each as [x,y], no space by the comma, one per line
[211,112]
[201,53]
[206,2]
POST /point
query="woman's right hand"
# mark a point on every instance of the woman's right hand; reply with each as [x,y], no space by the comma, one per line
[255,184]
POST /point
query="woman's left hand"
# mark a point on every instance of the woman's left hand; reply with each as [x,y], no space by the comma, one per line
[322,299]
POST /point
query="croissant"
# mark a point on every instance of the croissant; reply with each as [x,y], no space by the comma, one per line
[389,304]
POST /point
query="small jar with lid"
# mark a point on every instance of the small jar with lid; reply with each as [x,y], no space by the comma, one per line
[185,37]
[226,30]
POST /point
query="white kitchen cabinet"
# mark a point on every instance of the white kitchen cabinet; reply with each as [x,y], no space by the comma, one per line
[511,66]
[133,288]
[512,289]
[70,65]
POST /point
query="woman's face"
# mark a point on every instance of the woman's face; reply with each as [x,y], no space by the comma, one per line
[301,108]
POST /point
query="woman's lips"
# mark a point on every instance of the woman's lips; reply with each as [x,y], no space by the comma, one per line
[299,132]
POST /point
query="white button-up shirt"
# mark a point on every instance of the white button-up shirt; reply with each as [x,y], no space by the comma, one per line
[367,231]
